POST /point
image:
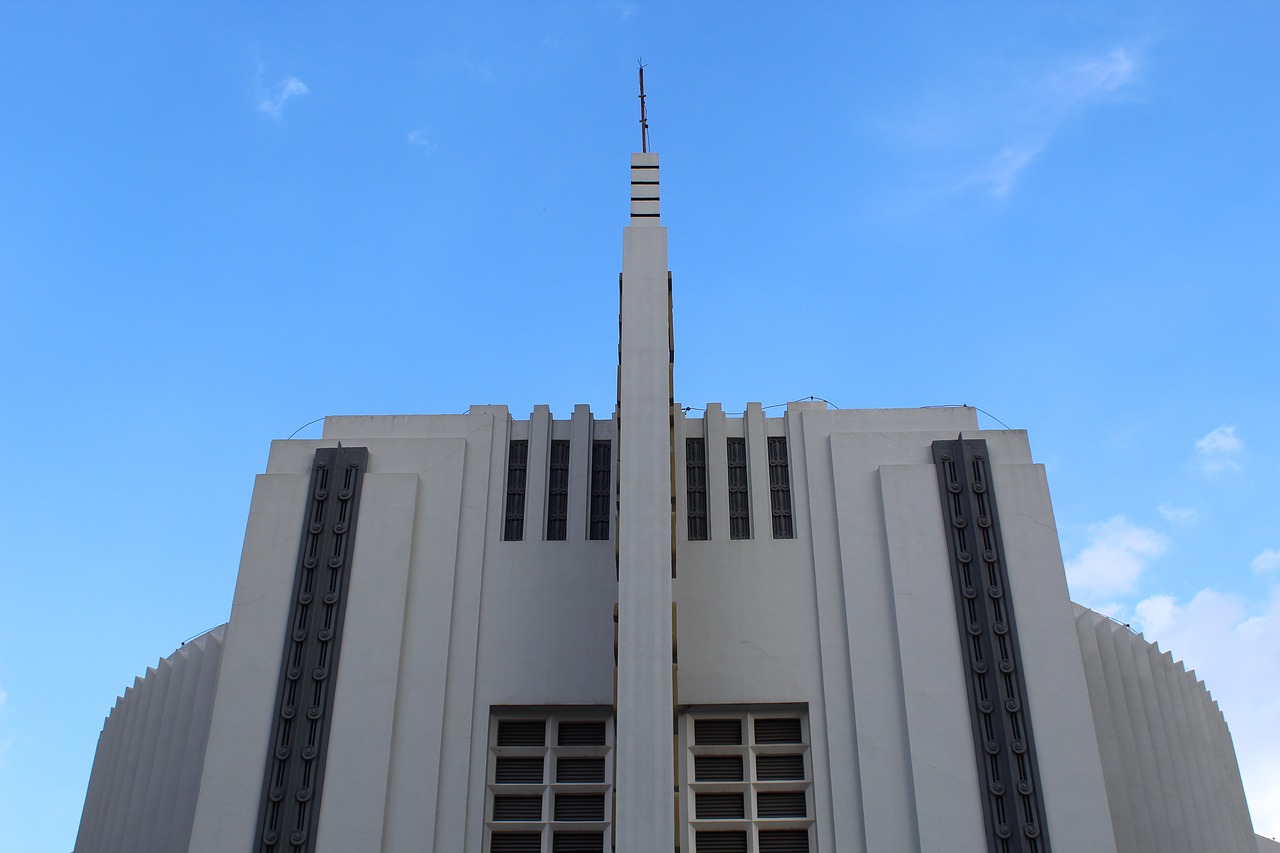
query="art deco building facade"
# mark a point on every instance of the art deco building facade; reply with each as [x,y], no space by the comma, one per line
[834,630]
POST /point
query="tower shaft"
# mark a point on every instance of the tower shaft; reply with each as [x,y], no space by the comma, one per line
[645,816]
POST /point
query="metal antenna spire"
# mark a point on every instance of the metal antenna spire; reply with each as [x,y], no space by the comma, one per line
[644,120]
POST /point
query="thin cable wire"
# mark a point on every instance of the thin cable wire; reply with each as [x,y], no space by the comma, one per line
[304,426]
[967,406]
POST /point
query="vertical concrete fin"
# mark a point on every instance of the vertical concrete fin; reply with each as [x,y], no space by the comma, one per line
[645,813]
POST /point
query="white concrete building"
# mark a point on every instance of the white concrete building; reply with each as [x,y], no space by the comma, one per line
[833,630]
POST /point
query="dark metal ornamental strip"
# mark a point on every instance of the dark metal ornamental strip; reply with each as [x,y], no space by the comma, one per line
[1003,746]
[290,807]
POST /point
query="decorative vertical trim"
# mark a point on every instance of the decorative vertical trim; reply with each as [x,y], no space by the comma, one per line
[558,492]
[739,498]
[601,495]
[1003,746]
[299,742]
[517,474]
[780,489]
[695,478]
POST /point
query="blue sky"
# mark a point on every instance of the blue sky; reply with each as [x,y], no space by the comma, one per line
[220,221]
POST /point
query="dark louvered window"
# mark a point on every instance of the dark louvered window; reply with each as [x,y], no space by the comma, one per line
[716,806]
[580,770]
[558,492]
[739,498]
[522,732]
[778,730]
[770,768]
[580,807]
[548,788]
[695,477]
[780,489]
[517,808]
[781,804]
[720,842]
[601,496]
[578,842]
[581,733]
[784,841]
[512,770]
[517,469]
[516,842]
[746,779]
[717,732]
[717,768]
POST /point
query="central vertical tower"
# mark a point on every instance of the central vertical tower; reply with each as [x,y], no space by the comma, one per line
[645,814]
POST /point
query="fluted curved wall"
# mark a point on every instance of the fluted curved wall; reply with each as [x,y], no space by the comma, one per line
[146,771]
[1167,758]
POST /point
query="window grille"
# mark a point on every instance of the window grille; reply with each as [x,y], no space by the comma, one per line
[517,468]
[739,499]
[748,777]
[601,496]
[558,492]
[695,477]
[550,785]
[780,489]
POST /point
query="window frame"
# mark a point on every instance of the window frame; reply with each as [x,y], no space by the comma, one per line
[548,788]
[750,785]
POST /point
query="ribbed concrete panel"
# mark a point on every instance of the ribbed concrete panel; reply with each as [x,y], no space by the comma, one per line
[125,765]
[143,769]
[1178,768]
[1141,811]
[155,783]
[161,821]
[1115,741]
[1168,804]
[158,688]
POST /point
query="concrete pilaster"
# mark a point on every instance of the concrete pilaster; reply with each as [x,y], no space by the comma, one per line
[645,816]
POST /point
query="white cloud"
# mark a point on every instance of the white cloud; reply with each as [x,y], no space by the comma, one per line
[1093,76]
[420,138]
[1221,440]
[999,175]
[1178,514]
[1216,451]
[1050,103]
[1117,553]
[1231,644]
[1267,561]
[272,102]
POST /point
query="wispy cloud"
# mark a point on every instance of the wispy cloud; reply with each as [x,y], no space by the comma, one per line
[1216,451]
[1178,514]
[420,138]
[1030,126]
[1117,554]
[1267,561]
[272,101]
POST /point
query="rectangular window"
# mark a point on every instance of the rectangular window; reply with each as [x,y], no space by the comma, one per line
[517,468]
[695,477]
[549,785]
[748,778]
[739,498]
[780,489]
[601,496]
[558,492]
